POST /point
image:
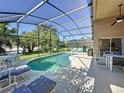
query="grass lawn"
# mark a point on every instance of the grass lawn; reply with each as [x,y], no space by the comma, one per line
[34,54]
[31,55]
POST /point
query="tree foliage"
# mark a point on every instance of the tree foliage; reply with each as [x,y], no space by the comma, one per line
[47,39]
[28,41]
[5,36]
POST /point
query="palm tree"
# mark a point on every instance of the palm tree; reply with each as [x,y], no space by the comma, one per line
[4,42]
[28,43]
[5,39]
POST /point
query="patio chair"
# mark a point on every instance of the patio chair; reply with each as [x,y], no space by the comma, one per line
[101,60]
[74,51]
[80,50]
[14,58]
[40,85]
[3,66]
[12,76]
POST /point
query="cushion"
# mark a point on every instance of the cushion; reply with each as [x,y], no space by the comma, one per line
[42,85]
[21,69]
[22,89]
[4,75]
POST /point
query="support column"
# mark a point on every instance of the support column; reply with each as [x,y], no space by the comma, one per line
[110,47]
[63,45]
[58,46]
[38,40]
[99,47]
[50,43]
[18,37]
[122,46]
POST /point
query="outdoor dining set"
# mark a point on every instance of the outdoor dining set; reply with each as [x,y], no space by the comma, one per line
[110,60]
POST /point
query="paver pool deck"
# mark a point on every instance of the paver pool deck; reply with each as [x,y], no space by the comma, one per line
[83,76]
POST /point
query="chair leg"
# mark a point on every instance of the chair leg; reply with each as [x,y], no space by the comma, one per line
[53,91]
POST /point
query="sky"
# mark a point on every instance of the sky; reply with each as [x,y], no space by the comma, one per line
[81,16]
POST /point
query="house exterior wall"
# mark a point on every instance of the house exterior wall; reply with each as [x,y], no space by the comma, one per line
[103,30]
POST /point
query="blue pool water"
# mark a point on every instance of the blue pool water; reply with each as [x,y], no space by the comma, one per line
[50,63]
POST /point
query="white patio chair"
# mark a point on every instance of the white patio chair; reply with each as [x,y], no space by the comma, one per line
[14,58]
[101,60]
[3,65]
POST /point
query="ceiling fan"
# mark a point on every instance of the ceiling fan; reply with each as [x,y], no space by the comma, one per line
[120,18]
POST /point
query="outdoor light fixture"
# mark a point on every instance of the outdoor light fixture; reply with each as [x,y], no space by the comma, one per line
[121,20]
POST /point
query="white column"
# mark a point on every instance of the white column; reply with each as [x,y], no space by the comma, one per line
[122,46]
[99,46]
[110,45]
[111,63]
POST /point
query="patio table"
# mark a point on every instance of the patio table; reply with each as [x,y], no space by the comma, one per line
[110,60]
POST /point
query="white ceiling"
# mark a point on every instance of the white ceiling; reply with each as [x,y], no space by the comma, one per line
[106,8]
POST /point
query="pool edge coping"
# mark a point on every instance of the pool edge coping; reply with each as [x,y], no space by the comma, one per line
[28,61]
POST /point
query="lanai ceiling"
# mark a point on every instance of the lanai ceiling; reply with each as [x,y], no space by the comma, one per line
[106,8]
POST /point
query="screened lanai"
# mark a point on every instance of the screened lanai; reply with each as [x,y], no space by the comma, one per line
[37,38]
[72,19]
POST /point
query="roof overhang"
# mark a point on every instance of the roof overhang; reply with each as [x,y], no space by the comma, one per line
[106,8]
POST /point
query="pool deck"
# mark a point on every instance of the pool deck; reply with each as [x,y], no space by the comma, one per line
[83,76]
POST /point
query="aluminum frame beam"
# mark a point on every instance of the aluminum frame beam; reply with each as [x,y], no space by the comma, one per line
[40,25]
[12,16]
[78,34]
[33,9]
[56,31]
[72,11]
[20,14]
[76,29]
[83,18]
[65,14]
[28,14]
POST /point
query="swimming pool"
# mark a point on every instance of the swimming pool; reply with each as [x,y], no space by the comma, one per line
[50,63]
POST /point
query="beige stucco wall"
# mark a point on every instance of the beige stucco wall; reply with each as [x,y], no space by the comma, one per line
[102,29]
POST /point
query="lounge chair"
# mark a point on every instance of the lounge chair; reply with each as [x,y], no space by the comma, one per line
[11,77]
[40,85]
[22,89]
